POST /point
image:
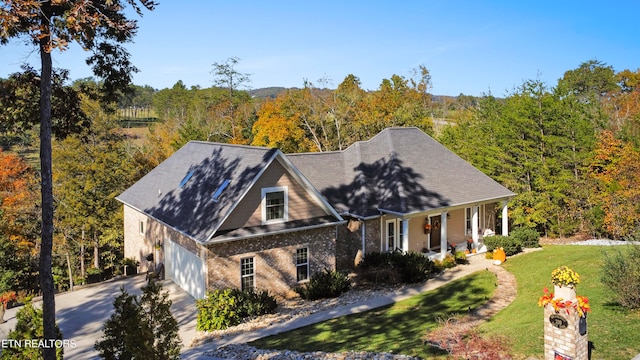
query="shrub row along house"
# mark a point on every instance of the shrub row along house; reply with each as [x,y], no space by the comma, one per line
[222,215]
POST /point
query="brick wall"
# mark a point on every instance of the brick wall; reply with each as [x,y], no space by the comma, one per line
[373,236]
[137,245]
[347,247]
[274,259]
[567,341]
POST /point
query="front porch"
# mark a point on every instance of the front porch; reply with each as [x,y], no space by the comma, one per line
[434,234]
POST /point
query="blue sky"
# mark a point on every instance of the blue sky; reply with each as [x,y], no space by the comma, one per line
[470,47]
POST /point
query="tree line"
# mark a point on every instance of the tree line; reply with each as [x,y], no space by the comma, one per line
[570,152]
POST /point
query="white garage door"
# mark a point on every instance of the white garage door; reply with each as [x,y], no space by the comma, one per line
[185,269]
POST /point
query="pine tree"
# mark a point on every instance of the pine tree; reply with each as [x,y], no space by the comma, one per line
[30,327]
[141,328]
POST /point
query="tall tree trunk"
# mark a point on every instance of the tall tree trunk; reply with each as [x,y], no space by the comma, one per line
[82,266]
[96,248]
[69,271]
[46,276]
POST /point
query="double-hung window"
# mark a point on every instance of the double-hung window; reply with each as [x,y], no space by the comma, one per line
[394,234]
[275,204]
[302,264]
[247,274]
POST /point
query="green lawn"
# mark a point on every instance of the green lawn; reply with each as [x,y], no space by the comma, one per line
[398,328]
[615,332]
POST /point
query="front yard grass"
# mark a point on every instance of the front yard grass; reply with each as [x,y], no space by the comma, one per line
[398,328]
[613,330]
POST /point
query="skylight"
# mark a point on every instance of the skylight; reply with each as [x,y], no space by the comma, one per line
[185,179]
[216,195]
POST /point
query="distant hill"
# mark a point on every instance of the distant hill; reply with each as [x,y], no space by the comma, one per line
[267,93]
[272,93]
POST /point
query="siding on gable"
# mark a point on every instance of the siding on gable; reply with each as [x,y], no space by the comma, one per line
[249,212]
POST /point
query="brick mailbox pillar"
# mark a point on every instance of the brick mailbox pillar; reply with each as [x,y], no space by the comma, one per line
[565,325]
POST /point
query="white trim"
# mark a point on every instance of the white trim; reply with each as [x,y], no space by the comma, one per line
[307,264]
[505,219]
[263,204]
[252,275]
[386,234]
[400,234]
[444,241]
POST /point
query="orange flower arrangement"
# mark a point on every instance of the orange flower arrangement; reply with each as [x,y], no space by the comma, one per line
[6,297]
[581,305]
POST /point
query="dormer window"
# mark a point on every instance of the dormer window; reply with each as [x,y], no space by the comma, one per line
[275,205]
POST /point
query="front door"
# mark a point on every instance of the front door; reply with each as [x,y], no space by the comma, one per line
[434,235]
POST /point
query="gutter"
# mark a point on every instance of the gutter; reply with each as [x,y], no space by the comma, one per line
[283,231]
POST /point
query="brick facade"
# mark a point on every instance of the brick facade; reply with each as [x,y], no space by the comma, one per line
[274,259]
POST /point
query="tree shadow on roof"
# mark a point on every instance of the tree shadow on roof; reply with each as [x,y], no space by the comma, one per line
[192,210]
[385,184]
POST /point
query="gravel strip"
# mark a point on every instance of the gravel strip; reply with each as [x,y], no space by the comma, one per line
[246,352]
[604,242]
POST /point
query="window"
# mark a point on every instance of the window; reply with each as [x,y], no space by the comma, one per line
[394,234]
[247,274]
[274,204]
[391,235]
[467,222]
[302,264]
[185,179]
[141,228]
[216,195]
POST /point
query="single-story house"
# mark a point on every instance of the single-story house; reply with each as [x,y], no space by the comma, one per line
[223,215]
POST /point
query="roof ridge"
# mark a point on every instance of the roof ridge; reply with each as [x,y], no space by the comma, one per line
[214,143]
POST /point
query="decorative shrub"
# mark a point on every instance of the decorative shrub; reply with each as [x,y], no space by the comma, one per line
[409,267]
[621,273]
[510,245]
[461,257]
[94,275]
[527,237]
[448,262]
[324,284]
[29,326]
[224,308]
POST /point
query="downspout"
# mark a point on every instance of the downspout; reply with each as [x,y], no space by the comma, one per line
[362,231]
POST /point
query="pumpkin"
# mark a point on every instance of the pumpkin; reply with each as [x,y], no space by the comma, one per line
[499,254]
[466,252]
[474,251]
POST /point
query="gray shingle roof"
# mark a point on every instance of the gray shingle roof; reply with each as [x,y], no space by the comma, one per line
[401,170]
[190,209]
[201,168]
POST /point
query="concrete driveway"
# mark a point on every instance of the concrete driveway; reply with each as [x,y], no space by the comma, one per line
[82,313]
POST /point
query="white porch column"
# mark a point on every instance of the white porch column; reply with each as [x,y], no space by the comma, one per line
[505,219]
[405,235]
[475,210]
[443,235]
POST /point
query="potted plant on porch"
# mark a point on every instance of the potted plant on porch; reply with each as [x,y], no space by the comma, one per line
[130,266]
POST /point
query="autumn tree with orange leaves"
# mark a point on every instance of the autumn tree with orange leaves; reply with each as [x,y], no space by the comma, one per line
[18,201]
[616,168]
[98,26]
